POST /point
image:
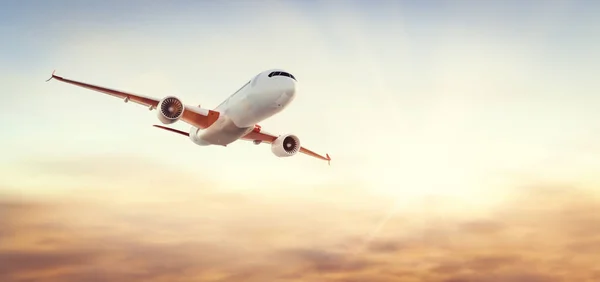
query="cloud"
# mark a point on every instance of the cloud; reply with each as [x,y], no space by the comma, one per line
[547,234]
[321,261]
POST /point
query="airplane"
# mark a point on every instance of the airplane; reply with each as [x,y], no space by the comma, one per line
[236,118]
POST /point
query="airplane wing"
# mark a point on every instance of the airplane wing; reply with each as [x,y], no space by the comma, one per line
[200,118]
[258,134]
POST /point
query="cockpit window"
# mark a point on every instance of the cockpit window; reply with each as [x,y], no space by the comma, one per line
[282,73]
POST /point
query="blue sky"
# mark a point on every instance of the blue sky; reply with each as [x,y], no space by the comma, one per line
[398,92]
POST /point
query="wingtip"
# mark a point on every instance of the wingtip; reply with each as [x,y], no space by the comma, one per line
[52,76]
[328,159]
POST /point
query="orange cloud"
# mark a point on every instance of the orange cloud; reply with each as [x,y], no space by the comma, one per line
[543,234]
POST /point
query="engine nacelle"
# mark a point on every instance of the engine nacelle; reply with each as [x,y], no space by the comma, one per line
[170,109]
[285,146]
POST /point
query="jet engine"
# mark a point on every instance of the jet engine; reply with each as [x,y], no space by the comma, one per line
[170,109]
[285,146]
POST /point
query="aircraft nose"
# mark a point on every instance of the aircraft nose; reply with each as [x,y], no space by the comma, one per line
[286,93]
[290,88]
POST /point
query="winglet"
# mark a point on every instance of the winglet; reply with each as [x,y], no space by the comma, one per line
[328,159]
[51,76]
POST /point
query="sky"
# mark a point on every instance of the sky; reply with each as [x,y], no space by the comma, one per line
[464,138]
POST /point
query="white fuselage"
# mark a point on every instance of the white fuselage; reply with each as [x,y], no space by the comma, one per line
[265,95]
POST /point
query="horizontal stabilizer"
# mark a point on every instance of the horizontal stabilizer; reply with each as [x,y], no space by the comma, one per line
[172,130]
